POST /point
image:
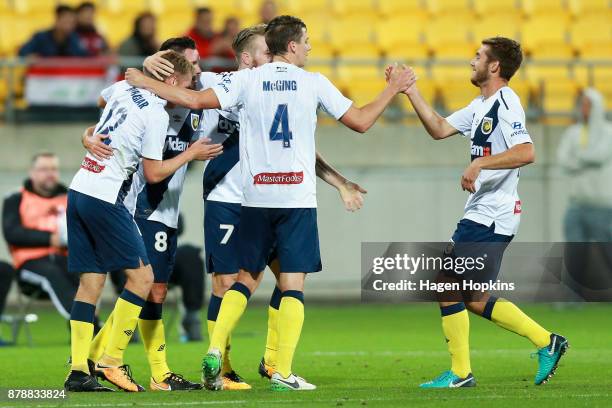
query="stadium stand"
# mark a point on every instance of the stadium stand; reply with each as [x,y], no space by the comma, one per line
[574,34]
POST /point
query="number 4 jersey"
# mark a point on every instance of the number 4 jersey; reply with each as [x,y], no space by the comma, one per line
[136,123]
[277,105]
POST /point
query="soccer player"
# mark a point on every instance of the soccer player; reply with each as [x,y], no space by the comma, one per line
[155,207]
[278,103]
[102,234]
[500,145]
[222,198]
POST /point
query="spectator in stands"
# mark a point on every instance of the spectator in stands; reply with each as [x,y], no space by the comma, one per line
[59,41]
[143,41]
[202,31]
[91,40]
[222,44]
[34,226]
[7,274]
[585,155]
[268,11]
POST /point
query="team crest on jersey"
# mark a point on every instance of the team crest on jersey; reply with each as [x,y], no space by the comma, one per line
[487,125]
[195,121]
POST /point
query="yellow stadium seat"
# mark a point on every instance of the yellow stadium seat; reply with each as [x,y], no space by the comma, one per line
[558,51]
[350,7]
[580,7]
[449,7]
[395,31]
[126,7]
[299,7]
[321,50]
[603,83]
[76,3]
[451,73]
[401,37]
[318,27]
[327,70]
[461,51]
[116,29]
[172,26]
[352,33]
[536,73]
[522,88]
[497,25]
[31,7]
[456,95]
[542,32]
[171,6]
[393,8]
[559,96]
[543,7]
[596,51]
[488,8]
[361,83]
[448,33]
[589,31]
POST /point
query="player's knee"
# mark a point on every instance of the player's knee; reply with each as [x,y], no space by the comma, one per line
[475,307]
[91,283]
[158,293]
[222,283]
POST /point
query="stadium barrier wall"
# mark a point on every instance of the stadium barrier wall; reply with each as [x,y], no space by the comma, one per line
[412,182]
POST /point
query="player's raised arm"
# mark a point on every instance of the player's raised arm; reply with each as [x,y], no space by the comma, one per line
[351,193]
[437,126]
[206,99]
[362,119]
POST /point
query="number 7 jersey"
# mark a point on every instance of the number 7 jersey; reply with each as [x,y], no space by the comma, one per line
[277,105]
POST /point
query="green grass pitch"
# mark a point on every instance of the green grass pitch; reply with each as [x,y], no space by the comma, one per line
[357,355]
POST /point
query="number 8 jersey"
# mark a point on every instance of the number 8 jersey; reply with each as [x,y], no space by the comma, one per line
[277,105]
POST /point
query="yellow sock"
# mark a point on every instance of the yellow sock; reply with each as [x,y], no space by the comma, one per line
[507,315]
[272,338]
[81,333]
[210,324]
[232,307]
[456,328]
[290,321]
[126,312]
[99,342]
[154,340]
[227,364]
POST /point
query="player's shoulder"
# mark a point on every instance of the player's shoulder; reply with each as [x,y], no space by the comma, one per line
[509,101]
[207,79]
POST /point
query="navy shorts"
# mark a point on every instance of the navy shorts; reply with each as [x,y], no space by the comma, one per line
[221,222]
[474,240]
[102,237]
[290,232]
[221,226]
[160,243]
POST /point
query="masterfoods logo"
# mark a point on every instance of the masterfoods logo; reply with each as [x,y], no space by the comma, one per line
[279,178]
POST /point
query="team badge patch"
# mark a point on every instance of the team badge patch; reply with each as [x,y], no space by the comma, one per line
[195,121]
[487,125]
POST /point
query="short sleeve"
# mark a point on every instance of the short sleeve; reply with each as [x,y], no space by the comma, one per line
[230,87]
[107,92]
[207,80]
[153,140]
[512,123]
[462,119]
[331,99]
